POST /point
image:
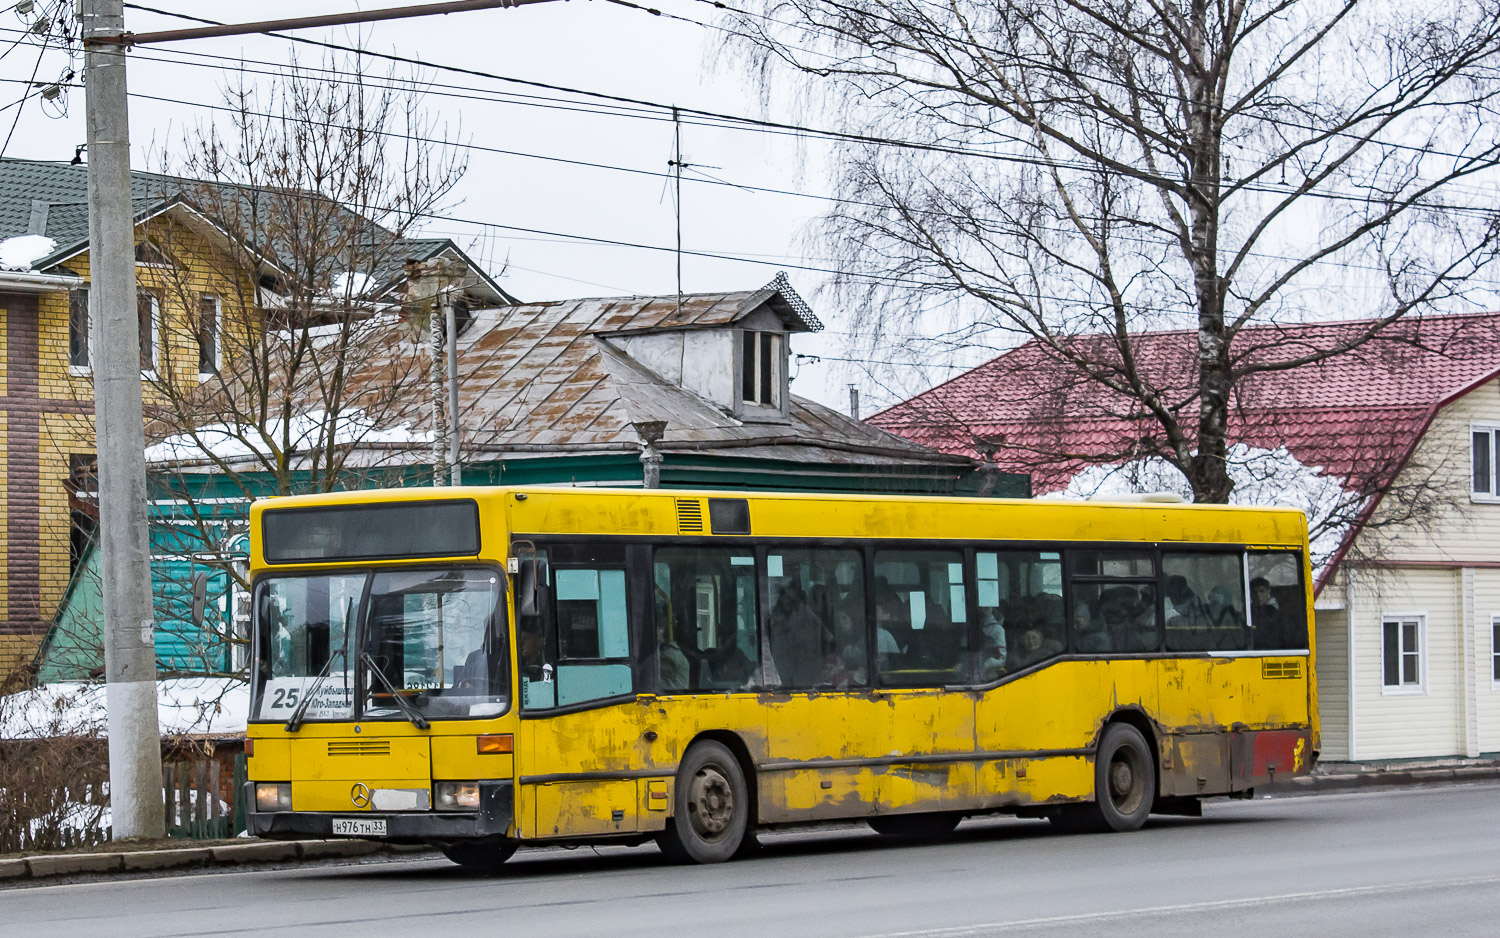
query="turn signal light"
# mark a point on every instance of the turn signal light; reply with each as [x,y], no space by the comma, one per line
[249,747]
[501,742]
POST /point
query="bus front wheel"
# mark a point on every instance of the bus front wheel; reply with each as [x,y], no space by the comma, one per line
[480,856]
[711,807]
[1124,785]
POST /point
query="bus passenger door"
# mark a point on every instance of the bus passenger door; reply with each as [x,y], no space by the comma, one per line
[825,729]
[581,748]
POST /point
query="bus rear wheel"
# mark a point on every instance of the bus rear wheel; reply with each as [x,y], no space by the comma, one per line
[1124,785]
[487,857]
[915,827]
[711,807]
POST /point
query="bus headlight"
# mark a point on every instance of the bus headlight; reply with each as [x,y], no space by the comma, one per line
[456,796]
[273,796]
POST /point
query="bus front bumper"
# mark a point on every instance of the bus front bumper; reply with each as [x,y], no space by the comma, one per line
[493,819]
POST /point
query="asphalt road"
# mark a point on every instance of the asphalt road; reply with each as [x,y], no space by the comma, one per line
[1421,861]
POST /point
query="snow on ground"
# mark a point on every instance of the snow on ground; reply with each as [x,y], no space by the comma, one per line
[1264,477]
[185,706]
[20,252]
[231,441]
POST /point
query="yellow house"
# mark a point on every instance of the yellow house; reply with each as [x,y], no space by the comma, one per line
[201,284]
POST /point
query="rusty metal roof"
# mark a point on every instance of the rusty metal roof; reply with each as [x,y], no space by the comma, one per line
[545,378]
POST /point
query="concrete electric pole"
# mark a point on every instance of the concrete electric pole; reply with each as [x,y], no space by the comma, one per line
[129,634]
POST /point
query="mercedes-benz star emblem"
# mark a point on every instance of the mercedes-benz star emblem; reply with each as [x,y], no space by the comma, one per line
[360,795]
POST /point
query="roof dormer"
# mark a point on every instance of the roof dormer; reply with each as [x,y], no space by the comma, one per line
[730,349]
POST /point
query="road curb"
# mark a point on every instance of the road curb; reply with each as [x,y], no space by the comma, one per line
[1386,778]
[140,861]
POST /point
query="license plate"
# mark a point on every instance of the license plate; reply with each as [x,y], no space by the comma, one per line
[359,826]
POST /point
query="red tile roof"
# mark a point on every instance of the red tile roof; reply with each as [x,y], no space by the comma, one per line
[1356,414]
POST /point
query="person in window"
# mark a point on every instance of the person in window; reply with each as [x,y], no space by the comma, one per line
[671,663]
[993,652]
[1089,634]
[850,646]
[1265,615]
[796,638]
[1184,608]
[889,618]
[1032,648]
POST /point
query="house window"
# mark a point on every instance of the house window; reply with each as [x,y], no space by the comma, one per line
[1495,649]
[1484,485]
[208,335]
[760,366]
[148,315]
[1403,652]
[78,328]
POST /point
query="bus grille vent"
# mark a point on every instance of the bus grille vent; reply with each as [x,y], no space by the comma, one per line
[359,747]
[689,516]
[1280,670]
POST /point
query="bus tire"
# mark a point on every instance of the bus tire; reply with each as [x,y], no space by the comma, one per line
[710,807]
[484,857]
[1124,780]
[916,827]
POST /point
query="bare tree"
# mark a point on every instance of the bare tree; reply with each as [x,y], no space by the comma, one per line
[274,282]
[1075,172]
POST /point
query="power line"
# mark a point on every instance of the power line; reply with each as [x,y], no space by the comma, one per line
[799,130]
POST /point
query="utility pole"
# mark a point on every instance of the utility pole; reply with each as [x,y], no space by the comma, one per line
[129,634]
[450,309]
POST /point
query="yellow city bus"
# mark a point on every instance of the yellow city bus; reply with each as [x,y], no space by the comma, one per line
[479,668]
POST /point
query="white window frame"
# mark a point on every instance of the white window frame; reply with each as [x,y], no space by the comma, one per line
[82,371]
[1402,618]
[149,374]
[1492,430]
[218,336]
[1494,650]
[777,382]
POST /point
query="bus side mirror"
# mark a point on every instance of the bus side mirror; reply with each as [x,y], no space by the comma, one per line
[200,597]
[528,589]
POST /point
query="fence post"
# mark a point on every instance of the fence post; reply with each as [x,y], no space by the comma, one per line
[169,794]
[237,794]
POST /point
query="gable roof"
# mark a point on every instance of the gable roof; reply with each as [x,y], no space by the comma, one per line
[1370,403]
[53,197]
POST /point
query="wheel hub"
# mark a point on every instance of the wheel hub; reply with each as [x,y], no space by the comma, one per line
[710,802]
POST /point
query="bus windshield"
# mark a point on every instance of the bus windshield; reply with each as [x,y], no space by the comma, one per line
[348,645]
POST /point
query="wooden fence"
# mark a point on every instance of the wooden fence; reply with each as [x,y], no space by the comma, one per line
[54,794]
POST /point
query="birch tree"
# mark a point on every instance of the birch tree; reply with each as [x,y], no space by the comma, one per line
[1049,169]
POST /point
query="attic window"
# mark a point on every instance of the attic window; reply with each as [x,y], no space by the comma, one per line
[760,368]
[150,253]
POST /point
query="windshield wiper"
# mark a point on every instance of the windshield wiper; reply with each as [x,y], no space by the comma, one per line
[401,702]
[294,722]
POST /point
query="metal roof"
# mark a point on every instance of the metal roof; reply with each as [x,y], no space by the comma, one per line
[55,195]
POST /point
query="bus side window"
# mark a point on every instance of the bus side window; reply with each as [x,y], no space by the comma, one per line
[816,623]
[1020,603]
[1205,601]
[921,618]
[593,634]
[706,622]
[1278,616]
[536,646]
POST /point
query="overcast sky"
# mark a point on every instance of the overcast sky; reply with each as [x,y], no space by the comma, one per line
[588,45]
